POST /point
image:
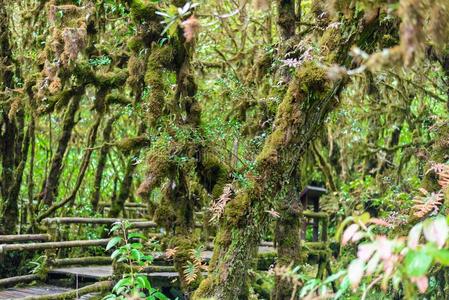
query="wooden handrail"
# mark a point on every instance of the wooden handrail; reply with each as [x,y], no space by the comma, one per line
[5,282]
[89,260]
[315,215]
[79,220]
[52,245]
[5,239]
[129,204]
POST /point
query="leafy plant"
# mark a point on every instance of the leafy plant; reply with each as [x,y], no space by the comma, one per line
[195,265]
[404,261]
[129,250]
[39,265]
[173,16]
[309,286]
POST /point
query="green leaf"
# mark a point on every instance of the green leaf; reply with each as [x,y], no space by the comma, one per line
[114,241]
[136,235]
[160,13]
[115,227]
[441,256]
[334,277]
[160,296]
[136,254]
[124,282]
[363,218]
[136,246]
[116,253]
[417,263]
[343,288]
[143,282]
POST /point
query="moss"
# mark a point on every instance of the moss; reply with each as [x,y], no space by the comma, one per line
[114,79]
[184,246]
[142,10]
[135,44]
[161,57]
[86,75]
[134,143]
[238,208]
[206,288]
[213,175]
[116,98]
[136,69]
[165,215]
[265,260]
[61,100]
[83,72]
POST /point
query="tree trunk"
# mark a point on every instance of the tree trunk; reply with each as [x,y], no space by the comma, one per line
[288,238]
[102,162]
[50,188]
[308,101]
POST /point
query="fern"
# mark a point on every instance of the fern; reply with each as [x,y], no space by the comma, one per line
[190,272]
[171,252]
[428,203]
[217,207]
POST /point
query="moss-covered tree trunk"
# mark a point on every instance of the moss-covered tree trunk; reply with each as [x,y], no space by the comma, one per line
[309,99]
[107,131]
[288,225]
[13,139]
[288,237]
[51,184]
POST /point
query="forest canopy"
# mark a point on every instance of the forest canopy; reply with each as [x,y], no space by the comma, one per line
[206,130]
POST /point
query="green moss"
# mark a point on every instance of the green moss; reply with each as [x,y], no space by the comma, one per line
[165,215]
[83,72]
[205,288]
[116,98]
[142,10]
[238,208]
[113,79]
[135,44]
[265,260]
[134,143]
[213,175]
[160,58]
[184,246]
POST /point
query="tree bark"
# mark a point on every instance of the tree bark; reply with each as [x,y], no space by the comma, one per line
[51,184]
[102,162]
[308,101]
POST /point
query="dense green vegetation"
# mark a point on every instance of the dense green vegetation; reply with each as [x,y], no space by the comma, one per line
[221,113]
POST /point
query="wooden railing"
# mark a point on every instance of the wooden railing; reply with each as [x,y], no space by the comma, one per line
[47,241]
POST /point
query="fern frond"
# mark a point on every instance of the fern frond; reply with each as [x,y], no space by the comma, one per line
[218,206]
[428,203]
[170,252]
[190,272]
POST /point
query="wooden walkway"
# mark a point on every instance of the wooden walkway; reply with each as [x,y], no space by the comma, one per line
[39,290]
[87,272]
